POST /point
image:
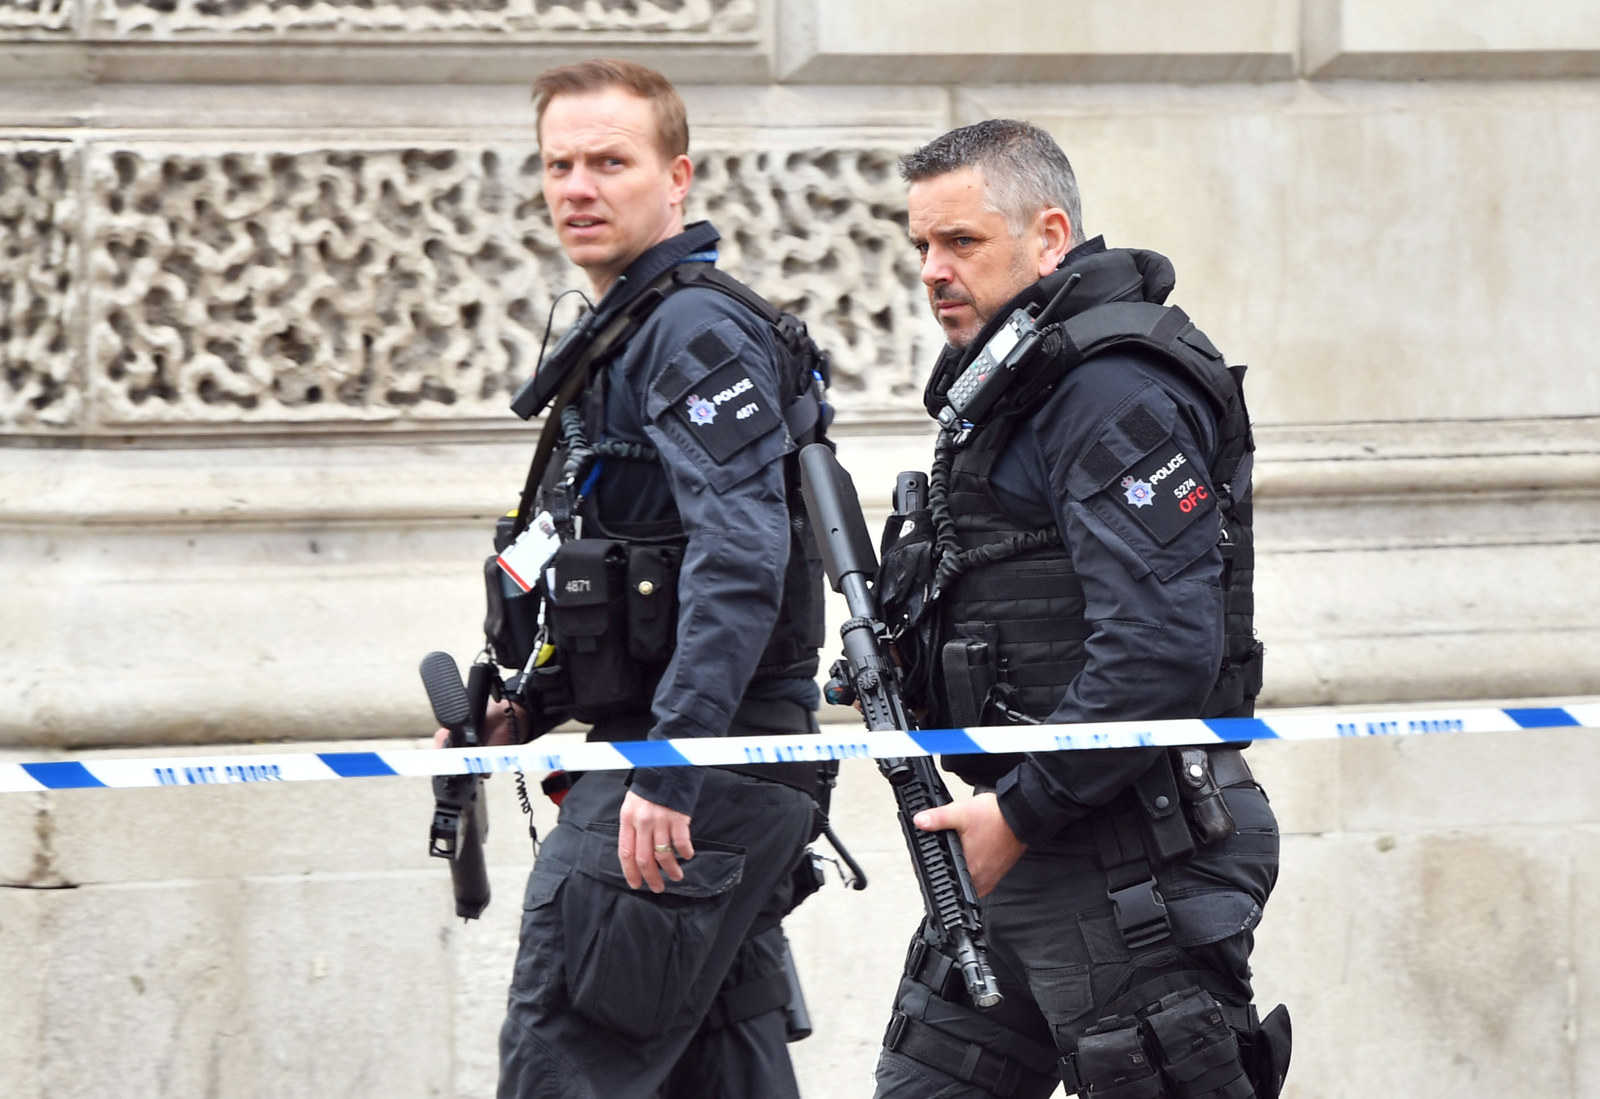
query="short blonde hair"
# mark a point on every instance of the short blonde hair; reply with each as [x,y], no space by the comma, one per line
[672,120]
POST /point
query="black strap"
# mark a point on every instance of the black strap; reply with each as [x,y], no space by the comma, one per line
[615,332]
[746,1001]
[966,1061]
[802,406]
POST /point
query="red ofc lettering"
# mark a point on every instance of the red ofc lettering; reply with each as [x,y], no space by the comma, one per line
[1192,501]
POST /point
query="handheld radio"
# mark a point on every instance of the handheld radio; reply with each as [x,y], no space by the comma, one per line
[986,379]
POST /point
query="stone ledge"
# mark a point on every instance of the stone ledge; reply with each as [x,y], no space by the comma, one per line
[927,41]
[183,112]
[1448,39]
[398,62]
[421,476]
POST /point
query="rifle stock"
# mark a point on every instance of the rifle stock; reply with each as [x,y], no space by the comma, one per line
[941,868]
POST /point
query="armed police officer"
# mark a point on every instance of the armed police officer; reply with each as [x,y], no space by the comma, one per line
[1084,555]
[684,601]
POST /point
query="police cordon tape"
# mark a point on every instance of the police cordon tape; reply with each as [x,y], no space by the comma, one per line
[136,772]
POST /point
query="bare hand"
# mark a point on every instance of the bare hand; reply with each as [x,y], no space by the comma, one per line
[990,846]
[650,840]
[496,726]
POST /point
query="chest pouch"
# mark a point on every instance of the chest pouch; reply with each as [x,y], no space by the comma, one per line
[901,590]
[589,618]
[511,617]
[652,600]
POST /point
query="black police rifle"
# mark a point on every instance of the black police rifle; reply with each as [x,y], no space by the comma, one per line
[869,670]
[460,815]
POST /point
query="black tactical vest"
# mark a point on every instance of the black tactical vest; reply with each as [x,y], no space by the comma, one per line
[652,552]
[1015,591]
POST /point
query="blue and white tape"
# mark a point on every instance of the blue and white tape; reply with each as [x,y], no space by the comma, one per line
[130,773]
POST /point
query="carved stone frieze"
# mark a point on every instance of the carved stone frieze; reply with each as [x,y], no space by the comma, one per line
[38,285]
[316,285]
[501,19]
[27,16]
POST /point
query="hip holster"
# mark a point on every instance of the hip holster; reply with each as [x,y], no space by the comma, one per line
[1147,827]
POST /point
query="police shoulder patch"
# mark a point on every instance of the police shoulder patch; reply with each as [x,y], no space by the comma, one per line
[725,411]
[1163,491]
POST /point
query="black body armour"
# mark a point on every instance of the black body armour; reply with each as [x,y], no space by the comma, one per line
[1009,626]
[616,635]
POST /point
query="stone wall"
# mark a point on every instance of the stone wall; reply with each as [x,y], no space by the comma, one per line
[269,270]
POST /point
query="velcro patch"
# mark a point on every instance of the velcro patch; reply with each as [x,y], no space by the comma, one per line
[725,412]
[1164,492]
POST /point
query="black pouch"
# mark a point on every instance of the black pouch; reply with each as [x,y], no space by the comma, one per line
[652,602]
[1112,1062]
[906,571]
[1266,1051]
[511,617]
[1199,1051]
[589,620]
[1161,821]
[634,957]
[969,675]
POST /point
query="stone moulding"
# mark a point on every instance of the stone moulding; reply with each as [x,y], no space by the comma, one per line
[250,285]
[1311,496]
[501,20]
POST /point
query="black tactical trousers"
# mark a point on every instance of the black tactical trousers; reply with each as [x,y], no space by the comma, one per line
[613,985]
[1062,962]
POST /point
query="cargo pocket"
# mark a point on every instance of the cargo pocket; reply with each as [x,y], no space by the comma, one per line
[633,957]
[540,941]
[1064,996]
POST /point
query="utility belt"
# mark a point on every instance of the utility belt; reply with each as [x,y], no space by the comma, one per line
[1168,812]
[1164,816]
[608,609]
[752,717]
[776,716]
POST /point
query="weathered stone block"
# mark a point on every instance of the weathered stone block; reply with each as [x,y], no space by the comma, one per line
[23,945]
[328,985]
[1470,780]
[1440,38]
[1409,948]
[1586,959]
[1361,295]
[842,41]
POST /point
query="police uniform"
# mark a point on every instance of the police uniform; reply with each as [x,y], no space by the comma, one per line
[621,993]
[1092,547]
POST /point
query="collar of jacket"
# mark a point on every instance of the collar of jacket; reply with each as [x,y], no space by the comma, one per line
[696,237]
[1105,274]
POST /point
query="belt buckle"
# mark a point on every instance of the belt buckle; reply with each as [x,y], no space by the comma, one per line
[896,1031]
[1141,914]
[915,957]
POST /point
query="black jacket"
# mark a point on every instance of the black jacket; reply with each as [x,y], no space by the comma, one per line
[1152,632]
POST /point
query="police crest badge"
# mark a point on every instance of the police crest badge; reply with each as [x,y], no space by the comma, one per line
[1139,493]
